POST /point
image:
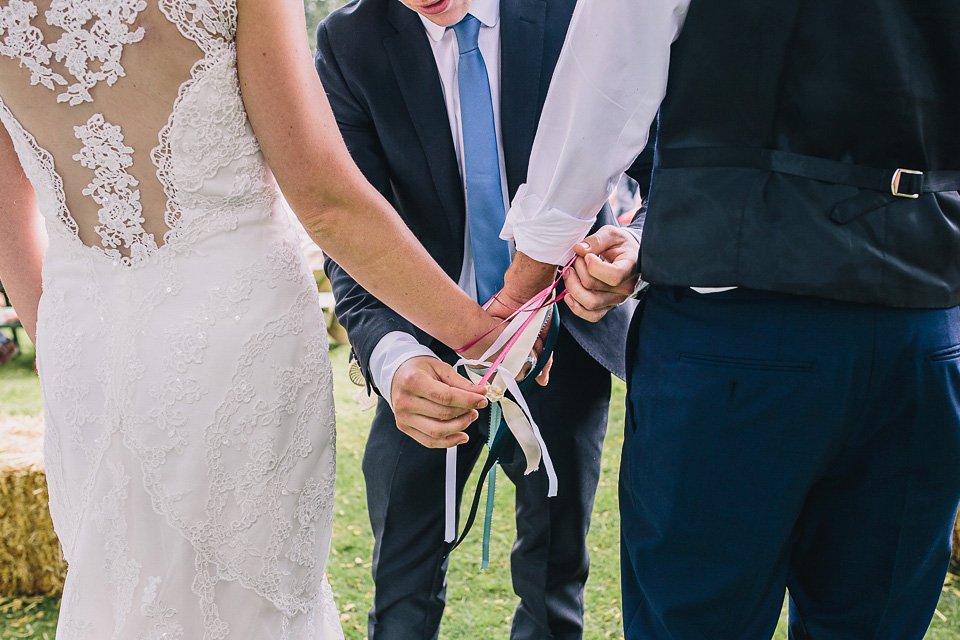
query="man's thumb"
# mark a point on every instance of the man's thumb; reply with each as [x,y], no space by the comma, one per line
[597,243]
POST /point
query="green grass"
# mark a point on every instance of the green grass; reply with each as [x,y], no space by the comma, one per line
[34,618]
[480,603]
[19,389]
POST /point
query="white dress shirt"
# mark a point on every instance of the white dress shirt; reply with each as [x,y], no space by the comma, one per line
[605,92]
[397,347]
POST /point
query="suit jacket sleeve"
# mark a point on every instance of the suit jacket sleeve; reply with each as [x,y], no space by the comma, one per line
[365,318]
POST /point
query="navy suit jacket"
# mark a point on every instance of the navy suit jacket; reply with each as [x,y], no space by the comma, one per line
[380,76]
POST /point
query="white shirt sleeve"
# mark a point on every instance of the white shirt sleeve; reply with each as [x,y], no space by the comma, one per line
[605,92]
[391,351]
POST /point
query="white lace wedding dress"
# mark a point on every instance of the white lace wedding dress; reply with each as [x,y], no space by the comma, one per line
[189,413]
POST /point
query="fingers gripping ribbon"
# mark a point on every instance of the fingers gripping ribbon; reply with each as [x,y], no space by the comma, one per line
[514,346]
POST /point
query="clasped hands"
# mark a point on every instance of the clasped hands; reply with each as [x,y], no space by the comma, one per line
[433,404]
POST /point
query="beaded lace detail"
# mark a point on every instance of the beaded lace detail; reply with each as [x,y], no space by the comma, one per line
[24,41]
[207,131]
[120,214]
[110,519]
[165,625]
[93,31]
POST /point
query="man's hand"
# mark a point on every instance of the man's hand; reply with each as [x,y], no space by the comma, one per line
[432,403]
[543,378]
[524,279]
[604,273]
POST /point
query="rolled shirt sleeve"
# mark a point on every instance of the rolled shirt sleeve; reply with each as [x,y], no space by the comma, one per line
[605,92]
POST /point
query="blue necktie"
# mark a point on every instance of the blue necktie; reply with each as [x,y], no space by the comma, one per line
[491,255]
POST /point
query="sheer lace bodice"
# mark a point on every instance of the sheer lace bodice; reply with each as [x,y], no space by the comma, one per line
[128,135]
[184,364]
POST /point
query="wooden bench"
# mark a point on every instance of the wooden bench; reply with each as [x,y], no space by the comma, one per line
[12,325]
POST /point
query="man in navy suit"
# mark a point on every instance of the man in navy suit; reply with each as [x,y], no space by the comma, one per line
[390,69]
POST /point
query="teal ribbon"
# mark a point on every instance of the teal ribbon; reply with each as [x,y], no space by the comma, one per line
[495,442]
[496,420]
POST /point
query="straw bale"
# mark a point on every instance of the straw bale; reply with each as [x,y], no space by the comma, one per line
[31,562]
[955,555]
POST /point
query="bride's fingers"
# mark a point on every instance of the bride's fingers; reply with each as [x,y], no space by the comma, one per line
[527,368]
[531,363]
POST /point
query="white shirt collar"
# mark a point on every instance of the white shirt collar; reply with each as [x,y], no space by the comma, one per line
[486,11]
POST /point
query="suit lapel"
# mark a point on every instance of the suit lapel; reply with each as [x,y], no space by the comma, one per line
[522,24]
[414,67]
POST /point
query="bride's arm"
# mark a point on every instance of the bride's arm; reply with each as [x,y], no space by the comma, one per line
[22,239]
[344,214]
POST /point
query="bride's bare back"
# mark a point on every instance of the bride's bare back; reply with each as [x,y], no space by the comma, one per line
[95,84]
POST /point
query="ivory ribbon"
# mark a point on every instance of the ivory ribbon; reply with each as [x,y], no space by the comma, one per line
[517,341]
[518,338]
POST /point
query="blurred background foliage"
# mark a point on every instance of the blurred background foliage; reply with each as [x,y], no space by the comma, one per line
[317,10]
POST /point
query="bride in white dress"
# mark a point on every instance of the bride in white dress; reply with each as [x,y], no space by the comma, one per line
[182,352]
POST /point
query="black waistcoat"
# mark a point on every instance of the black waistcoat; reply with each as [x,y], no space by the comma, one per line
[783,126]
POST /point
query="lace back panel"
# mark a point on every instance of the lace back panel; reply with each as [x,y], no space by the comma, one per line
[99,84]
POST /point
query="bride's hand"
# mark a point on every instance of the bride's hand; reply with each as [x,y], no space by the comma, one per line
[482,334]
[500,310]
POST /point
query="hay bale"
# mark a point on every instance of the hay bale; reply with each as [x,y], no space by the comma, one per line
[31,562]
[955,552]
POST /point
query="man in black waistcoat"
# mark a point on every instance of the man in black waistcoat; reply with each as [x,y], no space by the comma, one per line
[795,373]
[392,72]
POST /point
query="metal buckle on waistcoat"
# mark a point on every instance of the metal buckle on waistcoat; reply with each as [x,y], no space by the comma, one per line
[895,183]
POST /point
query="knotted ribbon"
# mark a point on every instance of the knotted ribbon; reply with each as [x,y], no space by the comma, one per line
[514,343]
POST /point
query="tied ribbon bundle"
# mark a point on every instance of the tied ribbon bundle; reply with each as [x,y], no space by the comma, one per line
[504,392]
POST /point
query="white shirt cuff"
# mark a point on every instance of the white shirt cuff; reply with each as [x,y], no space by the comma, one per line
[393,350]
[545,236]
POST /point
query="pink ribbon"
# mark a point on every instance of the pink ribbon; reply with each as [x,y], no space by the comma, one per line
[505,342]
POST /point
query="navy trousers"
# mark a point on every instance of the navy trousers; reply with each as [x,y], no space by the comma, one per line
[774,442]
[549,562]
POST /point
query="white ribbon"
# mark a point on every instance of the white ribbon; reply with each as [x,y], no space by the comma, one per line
[450,496]
[516,413]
